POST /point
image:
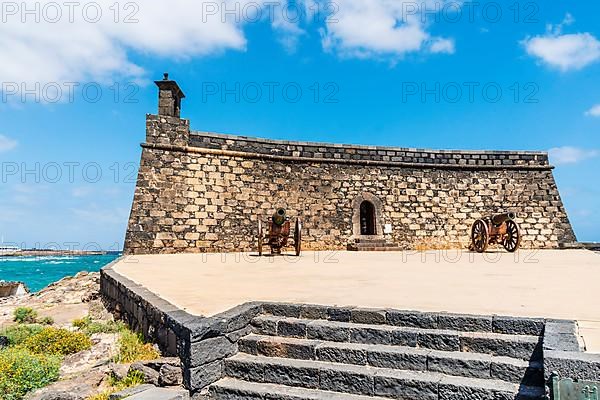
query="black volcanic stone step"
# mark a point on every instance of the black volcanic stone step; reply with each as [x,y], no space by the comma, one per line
[516,346]
[234,389]
[370,381]
[415,319]
[482,366]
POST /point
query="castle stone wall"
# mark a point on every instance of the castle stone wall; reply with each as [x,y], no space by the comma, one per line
[203,192]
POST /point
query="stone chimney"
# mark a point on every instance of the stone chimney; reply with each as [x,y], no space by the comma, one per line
[169,97]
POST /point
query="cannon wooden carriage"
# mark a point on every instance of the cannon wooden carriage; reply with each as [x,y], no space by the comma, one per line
[498,229]
[278,235]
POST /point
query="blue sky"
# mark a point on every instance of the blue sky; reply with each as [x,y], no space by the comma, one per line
[453,75]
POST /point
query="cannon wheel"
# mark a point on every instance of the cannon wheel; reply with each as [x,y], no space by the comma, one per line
[480,236]
[512,239]
[298,237]
[260,238]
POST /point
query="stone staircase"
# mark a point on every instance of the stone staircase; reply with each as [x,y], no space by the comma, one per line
[372,245]
[385,355]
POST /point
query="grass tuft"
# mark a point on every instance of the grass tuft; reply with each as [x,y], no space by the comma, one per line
[25,315]
[132,348]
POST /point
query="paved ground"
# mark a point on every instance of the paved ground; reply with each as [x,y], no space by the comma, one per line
[550,283]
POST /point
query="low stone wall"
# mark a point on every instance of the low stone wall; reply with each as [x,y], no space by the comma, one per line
[201,343]
[564,354]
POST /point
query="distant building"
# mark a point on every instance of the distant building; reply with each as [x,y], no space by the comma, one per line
[9,289]
[8,250]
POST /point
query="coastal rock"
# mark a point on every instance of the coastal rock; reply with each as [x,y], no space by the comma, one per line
[170,375]
[160,362]
[75,388]
[150,375]
[104,348]
[119,371]
[130,392]
[64,301]
[3,342]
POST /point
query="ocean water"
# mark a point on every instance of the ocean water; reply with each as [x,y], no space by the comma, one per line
[39,272]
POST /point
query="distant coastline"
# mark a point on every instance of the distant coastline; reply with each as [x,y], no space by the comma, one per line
[48,252]
[39,268]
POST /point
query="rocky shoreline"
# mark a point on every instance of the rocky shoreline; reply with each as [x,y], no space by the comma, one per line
[88,374]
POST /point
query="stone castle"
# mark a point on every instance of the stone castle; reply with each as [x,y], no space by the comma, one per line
[205,192]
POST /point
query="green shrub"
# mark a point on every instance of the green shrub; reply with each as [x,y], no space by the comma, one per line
[90,327]
[22,371]
[25,315]
[57,341]
[17,334]
[132,348]
[134,378]
[47,321]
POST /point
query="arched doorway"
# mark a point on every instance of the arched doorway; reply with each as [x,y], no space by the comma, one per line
[367,219]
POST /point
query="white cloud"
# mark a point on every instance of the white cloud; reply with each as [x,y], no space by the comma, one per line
[564,51]
[7,144]
[81,51]
[378,28]
[594,111]
[570,155]
[441,45]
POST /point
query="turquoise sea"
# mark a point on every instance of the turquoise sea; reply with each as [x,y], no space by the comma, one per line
[39,272]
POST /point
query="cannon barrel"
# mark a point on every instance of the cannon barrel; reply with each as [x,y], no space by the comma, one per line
[279,217]
[502,218]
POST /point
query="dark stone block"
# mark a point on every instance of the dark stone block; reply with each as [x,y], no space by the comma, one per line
[343,355]
[405,359]
[520,348]
[199,377]
[529,374]
[412,319]
[244,370]
[209,350]
[368,316]
[219,392]
[467,323]
[292,375]
[518,326]
[327,331]
[313,312]
[439,341]
[339,314]
[346,381]
[291,328]
[248,345]
[282,309]
[300,351]
[404,338]
[367,335]
[468,366]
[265,325]
[405,388]
[463,392]
[575,365]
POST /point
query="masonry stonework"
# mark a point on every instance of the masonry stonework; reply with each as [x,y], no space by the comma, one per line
[205,192]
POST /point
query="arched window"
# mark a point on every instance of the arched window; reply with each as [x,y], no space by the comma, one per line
[367,218]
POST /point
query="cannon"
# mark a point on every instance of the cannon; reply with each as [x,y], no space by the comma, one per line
[497,229]
[278,235]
